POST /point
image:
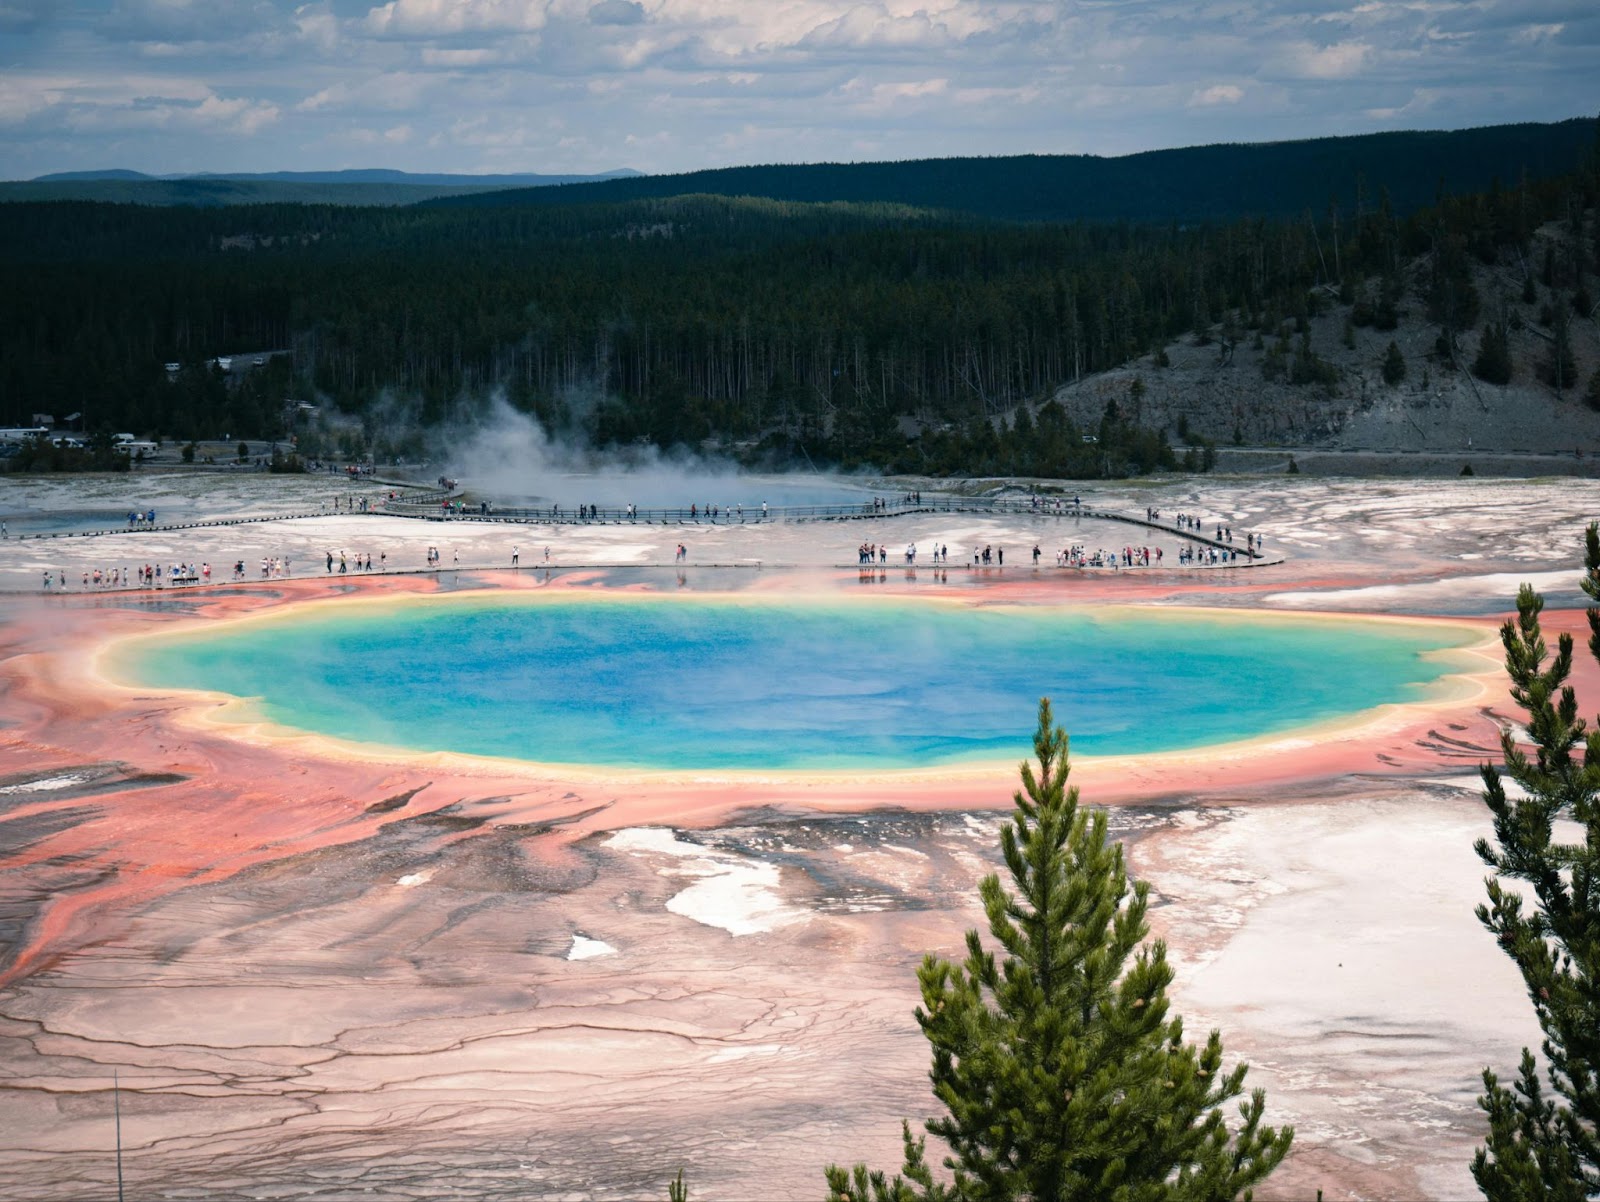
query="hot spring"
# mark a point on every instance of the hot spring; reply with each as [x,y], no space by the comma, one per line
[740,683]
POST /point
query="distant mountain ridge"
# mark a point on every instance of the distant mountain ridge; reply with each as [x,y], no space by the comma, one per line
[368,186]
[1220,182]
[76,176]
[358,175]
[1200,183]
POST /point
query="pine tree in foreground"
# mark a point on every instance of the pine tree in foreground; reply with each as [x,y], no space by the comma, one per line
[1545,1146]
[1063,1075]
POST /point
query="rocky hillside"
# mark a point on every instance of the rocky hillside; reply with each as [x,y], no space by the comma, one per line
[1235,386]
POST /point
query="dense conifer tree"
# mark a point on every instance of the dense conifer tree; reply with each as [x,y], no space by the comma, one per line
[1544,1146]
[1394,365]
[1493,363]
[1062,1073]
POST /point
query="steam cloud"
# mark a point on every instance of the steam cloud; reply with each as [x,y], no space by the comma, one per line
[506,456]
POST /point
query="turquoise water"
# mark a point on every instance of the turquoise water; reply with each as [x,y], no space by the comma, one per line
[670,683]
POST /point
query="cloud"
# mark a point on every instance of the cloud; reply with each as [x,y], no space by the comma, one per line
[864,27]
[398,135]
[1222,93]
[398,91]
[317,27]
[1421,100]
[883,95]
[1540,33]
[22,98]
[90,104]
[442,18]
[663,85]
[435,56]
[1338,61]
[235,116]
[617,12]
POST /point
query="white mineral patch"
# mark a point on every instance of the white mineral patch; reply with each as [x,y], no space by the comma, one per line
[415,878]
[1498,586]
[1356,936]
[740,895]
[49,784]
[1473,783]
[584,948]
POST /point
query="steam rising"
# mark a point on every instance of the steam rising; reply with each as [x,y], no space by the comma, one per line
[506,456]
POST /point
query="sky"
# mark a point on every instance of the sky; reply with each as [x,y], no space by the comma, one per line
[578,86]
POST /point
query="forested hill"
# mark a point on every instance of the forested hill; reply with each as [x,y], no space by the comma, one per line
[841,332]
[1200,183]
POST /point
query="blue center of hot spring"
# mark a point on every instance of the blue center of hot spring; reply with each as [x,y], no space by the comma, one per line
[762,684]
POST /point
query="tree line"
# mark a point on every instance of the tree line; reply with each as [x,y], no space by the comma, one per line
[831,332]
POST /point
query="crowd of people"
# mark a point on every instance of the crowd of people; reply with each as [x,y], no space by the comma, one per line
[1074,555]
[1204,542]
[1058,505]
[879,553]
[1221,534]
[149,575]
[1077,555]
